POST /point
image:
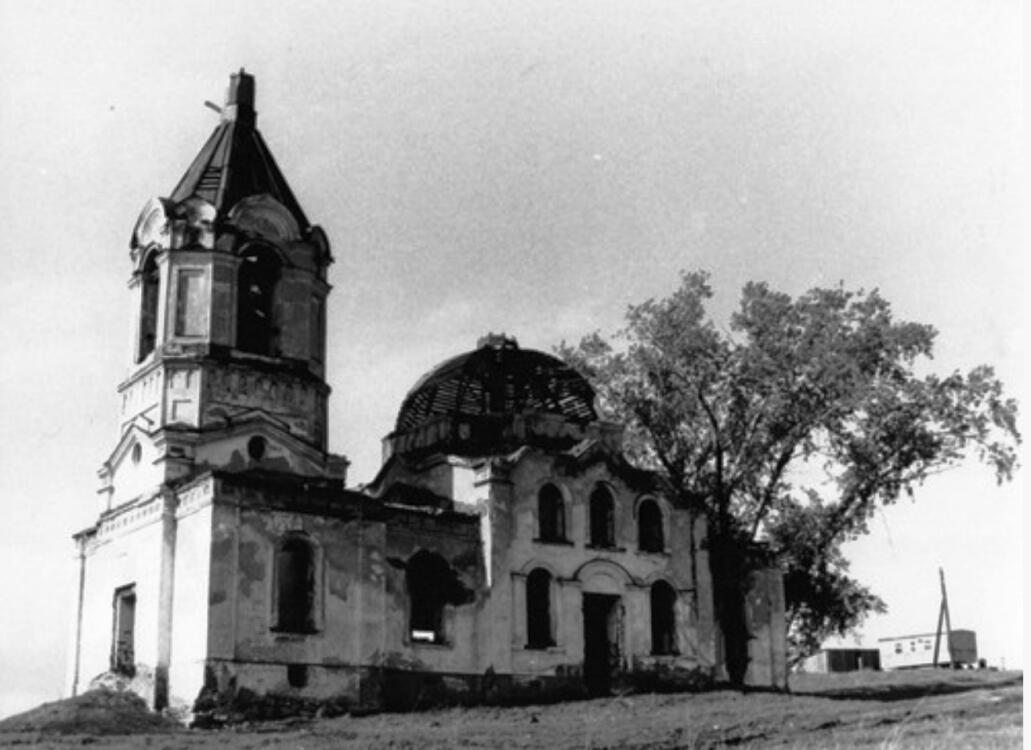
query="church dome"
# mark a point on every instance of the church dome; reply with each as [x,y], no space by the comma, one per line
[476,398]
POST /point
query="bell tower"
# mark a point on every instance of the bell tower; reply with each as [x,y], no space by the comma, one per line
[227,367]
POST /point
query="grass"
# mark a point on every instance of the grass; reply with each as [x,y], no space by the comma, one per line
[928,709]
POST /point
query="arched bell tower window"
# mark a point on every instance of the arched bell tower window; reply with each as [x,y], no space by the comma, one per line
[663,601]
[256,288]
[603,518]
[295,586]
[551,515]
[150,281]
[650,537]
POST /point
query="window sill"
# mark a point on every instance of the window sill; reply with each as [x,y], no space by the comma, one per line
[545,649]
[292,635]
[433,645]
[655,553]
[558,542]
[605,547]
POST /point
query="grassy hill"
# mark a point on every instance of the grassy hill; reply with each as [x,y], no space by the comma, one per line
[919,709]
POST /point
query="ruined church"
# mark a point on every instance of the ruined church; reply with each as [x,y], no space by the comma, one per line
[505,550]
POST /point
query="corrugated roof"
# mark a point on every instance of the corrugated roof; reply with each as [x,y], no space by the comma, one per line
[236,162]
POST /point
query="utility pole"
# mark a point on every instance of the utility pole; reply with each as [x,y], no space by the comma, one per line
[943,616]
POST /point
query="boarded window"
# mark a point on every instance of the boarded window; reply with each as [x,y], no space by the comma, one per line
[123,651]
[551,515]
[663,601]
[150,282]
[295,587]
[191,312]
[538,609]
[256,286]
[602,512]
[649,527]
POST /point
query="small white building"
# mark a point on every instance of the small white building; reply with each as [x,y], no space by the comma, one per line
[909,651]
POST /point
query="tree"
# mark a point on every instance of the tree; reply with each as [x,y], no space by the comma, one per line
[791,427]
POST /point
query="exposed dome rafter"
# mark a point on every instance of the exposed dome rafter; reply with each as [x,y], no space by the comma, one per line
[498,378]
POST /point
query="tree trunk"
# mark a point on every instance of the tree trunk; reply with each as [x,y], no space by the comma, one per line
[730,575]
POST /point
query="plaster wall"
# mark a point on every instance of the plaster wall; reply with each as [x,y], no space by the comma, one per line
[361,601]
[459,546]
[576,567]
[141,396]
[182,400]
[131,480]
[228,452]
[126,550]
[192,569]
[231,391]
[243,641]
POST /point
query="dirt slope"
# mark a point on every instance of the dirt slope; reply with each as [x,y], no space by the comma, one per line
[897,710]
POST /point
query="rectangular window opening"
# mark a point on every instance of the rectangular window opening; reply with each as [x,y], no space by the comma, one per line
[123,655]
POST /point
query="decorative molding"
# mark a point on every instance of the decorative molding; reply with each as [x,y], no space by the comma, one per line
[195,497]
[130,517]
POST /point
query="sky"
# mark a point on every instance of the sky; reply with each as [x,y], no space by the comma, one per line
[524,167]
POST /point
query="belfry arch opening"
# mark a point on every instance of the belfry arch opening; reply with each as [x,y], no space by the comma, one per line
[257,278]
[150,283]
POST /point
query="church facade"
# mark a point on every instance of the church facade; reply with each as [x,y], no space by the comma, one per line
[505,550]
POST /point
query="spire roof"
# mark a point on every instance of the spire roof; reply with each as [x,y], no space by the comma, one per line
[235,162]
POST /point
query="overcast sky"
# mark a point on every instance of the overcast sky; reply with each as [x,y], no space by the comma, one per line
[522,167]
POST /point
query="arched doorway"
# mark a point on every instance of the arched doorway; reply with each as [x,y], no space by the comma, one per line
[603,583]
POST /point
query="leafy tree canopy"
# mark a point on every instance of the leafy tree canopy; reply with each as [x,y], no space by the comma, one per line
[793,426]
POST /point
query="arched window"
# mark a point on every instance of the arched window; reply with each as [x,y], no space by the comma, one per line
[551,515]
[428,577]
[150,281]
[256,286]
[603,522]
[538,609]
[649,527]
[663,619]
[295,586]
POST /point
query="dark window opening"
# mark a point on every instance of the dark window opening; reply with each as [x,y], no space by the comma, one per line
[663,601]
[150,282]
[551,515]
[603,522]
[256,286]
[297,675]
[538,609]
[649,527]
[123,655]
[295,587]
[256,447]
[431,583]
